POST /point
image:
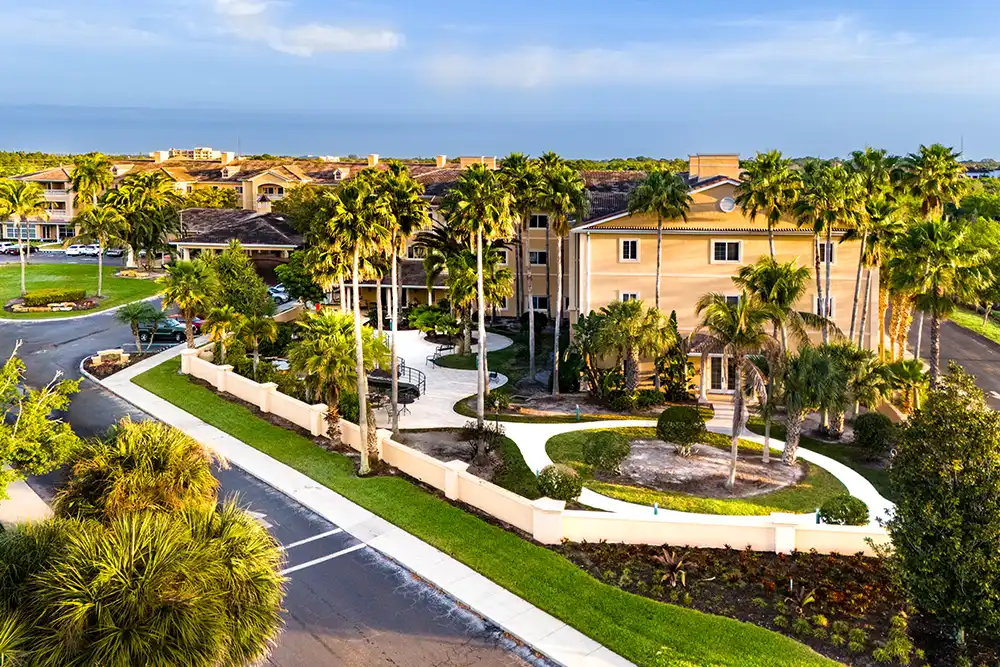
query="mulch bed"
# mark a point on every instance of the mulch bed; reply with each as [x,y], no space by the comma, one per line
[105,370]
[87,303]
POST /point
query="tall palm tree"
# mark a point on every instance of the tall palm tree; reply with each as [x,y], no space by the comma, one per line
[807,379]
[563,195]
[360,219]
[21,200]
[524,180]
[934,177]
[547,163]
[481,205]
[149,203]
[781,285]
[324,354]
[633,331]
[738,331]
[408,214]
[768,186]
[91,176]
[255,330]
[666,194]
[939,264]
[191,287]
[103,225]
[136,313]
[221,323]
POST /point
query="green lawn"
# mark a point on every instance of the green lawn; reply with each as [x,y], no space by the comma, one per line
[968,319]
[38,276]
[847,454]
[818,486]
[633,626]
[512,361]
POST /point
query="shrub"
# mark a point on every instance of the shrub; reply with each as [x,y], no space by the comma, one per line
[349,408]
[844,510]
[498,401]
[559,482]
[649,397]
[43,297]
[606,450]
[681,425]
[622,402]
[541,321]
[875,434]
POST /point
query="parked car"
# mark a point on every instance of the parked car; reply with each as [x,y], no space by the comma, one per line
[92,250]
[279,293]
[75,250]
[166,330]
[196,323]
[6,246]
[114,252]
[13,248]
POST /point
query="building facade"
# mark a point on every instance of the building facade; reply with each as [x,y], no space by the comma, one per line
[57,225]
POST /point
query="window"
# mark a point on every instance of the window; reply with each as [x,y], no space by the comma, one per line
[416,252]
[239,189]
[721,379]
[727,251]
[538,221]
[502,305]
[538,257]
[502,253]
[629,251]
[540,303]
[338,175]
[830,307]
[823,248]
[733,300]
[190,189]
[28,231]
[629,296]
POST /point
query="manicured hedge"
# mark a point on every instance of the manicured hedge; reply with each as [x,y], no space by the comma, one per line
[43,297]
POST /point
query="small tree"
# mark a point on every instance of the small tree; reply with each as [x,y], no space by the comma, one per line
[298,280]
[682,426]
[192,287]
[239,284]
[946,478]
[136,313]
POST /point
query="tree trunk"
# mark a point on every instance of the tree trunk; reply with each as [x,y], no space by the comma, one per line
[705,375]
[631,370]
[529,288]
[100,270]
[20,251]
[188,316]
[935,360]
[986,315]
[857,287]
[481,351]
[378,306]
[903,332]
[130,258]
[256,359]
[394,368]
[883,306]
[333,421]
[766,455]
[659,259]
[864,309]
[836,429]
[559,305]
[548,271]
[770,237]
[222,351]
[466,333]
[519,271]
[920,335]
[820,301]
[826,299]
[360,369]
[792,432]
[737,425]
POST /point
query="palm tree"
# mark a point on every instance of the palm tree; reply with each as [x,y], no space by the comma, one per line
[191,287]
[633,331]
[139,466]
[853,361]
[563,194]
[934,177]
[324,354]
[255,330]
[407,214]
[221,323]
[360,219]
[666,194]
[768,186]
[91,176]
[807,379]
[138,312]
[21,200]
[882,229]
[547,163]
[909,378]
[938,263]
[481,206]
[103,225]
[524,180]
[781,285]
[149,203]
[737,331]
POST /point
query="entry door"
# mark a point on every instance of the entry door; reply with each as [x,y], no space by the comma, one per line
[722,381]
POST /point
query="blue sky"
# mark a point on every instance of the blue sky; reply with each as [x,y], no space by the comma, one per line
[591,77]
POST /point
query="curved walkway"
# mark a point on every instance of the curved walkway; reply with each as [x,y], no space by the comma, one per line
[531,440]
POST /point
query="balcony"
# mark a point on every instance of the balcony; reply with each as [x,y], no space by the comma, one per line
[58,215]
[56,195]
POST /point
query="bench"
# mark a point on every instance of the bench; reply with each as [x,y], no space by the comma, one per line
[442,350]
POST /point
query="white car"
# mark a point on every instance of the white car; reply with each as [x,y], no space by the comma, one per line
[75,250]
[92,250]
[6,247]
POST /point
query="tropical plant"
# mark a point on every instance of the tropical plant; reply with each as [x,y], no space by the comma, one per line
[138,466]
[810,380]
[563,195]
[102,225]
[149,202]
[254,331]
[666,194]
[605,450]
[21,200]
[769,186]
[875,434]
[674,568]
[191,287]
[239,285]
[136,313]
[91,176]
[865,380]
[782,286]
[523,179]
[298,280]
[937,261]
[212,198]
[909,378]
[324,355]
[633,331]
[481,206]
[221,323]
[934,177]
[548,163]
[737,331]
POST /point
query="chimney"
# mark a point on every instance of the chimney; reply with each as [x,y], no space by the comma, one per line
[490,162]
[701,166]
[159,156]
[373,160]
[226,157]
[440,161]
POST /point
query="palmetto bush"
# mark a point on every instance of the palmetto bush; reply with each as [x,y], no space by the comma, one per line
[139,466]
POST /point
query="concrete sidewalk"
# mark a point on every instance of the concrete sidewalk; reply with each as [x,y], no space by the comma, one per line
[546,634]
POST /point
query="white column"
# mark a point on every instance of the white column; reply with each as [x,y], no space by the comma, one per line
[546,521]
[705,374]
[451,470]
[784,532]
[264,398]
[186,356]
[317,418]
[221,372]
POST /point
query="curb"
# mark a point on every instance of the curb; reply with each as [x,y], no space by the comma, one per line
[46,320]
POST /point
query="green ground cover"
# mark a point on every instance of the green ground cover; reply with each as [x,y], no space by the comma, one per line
[633,626]
[806,496]
[968,319]
[81,276]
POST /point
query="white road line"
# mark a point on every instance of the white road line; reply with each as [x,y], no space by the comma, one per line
[317,561]
[313,538]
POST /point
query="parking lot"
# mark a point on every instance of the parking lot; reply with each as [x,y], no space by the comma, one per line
[59,257]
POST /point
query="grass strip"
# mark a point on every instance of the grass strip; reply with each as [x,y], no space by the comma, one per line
[635,627]
[39,276]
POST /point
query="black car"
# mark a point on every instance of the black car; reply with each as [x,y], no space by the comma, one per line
[166,330]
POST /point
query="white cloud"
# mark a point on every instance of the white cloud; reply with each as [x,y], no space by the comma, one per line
[257,21]
[756,52]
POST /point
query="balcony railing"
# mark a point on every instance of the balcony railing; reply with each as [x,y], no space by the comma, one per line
[55,194]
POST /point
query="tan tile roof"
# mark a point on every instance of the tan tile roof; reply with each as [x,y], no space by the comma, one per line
[61,173]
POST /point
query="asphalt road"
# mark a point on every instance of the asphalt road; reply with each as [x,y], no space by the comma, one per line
[347,606]
[60,258]
[977,355]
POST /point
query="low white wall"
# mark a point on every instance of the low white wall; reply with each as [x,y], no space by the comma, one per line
[547,520]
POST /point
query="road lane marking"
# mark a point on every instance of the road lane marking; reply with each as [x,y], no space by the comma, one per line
[323,559]
[313,538]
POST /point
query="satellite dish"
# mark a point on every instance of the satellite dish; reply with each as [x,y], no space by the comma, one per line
[727,204]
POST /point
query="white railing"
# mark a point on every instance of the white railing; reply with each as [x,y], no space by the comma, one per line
[56,194]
